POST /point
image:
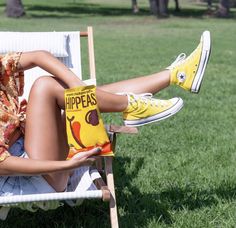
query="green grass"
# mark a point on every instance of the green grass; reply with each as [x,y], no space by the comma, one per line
[182,171]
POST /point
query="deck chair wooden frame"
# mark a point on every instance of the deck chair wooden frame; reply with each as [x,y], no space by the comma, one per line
[106,188]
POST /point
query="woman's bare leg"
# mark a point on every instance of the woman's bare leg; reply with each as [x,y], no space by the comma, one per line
[45,135]
[147,84]
[150,83]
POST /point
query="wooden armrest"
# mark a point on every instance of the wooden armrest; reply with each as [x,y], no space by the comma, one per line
[122,129]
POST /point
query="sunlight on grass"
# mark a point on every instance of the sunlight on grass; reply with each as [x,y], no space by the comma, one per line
[180,172]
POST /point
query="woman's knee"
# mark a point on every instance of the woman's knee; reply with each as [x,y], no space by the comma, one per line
[43,85]
[47,85]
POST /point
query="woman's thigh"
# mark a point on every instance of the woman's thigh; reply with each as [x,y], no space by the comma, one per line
[45,134]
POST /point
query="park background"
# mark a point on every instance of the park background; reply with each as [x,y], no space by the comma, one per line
[180,172]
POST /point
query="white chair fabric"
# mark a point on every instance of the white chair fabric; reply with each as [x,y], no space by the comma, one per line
[72,47]
[73,61]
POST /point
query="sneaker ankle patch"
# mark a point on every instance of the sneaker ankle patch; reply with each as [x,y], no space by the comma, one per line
[181,76]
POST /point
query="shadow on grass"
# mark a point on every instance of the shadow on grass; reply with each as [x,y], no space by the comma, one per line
[136,209]
[76,10]
[140,208]
[92,213]
[195,13]
[200,13]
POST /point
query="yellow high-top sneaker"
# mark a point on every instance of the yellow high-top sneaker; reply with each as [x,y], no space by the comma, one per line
[188,72]
[144,109]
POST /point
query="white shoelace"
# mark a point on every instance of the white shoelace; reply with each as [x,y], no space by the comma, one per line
[146,98]
[178,60]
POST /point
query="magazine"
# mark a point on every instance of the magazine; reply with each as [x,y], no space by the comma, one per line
[84,125]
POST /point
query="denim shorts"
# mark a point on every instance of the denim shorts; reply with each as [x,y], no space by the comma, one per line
[21,185]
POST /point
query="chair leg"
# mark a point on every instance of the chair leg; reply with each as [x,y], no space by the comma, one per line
[111,187]
[99,165]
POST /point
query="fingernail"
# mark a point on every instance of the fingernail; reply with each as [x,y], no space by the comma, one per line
[99,149]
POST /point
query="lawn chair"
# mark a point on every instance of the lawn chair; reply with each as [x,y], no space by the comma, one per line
[65,46]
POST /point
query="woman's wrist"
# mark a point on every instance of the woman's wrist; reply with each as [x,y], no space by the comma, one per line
[70,164]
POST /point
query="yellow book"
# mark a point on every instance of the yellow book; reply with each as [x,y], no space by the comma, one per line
[84,125]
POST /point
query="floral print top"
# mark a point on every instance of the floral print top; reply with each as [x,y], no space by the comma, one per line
[12,113]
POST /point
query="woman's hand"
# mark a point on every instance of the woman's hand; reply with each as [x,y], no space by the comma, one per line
[84,158]
[25,166]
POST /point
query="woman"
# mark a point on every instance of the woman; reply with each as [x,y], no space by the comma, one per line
[46,150]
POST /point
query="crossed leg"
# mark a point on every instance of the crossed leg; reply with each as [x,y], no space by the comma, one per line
[45,135]
[152,83]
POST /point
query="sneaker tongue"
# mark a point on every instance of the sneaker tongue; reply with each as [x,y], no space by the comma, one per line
[137,101]
[178,60]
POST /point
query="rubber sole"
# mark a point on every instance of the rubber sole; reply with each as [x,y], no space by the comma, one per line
[206,51]
[160,116]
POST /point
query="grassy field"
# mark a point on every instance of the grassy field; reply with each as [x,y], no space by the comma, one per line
[182,171]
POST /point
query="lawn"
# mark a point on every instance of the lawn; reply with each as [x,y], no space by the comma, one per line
[180,172]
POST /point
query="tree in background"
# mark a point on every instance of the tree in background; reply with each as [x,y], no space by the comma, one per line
[14,8]
[223,10]
[135,8]
[160,7]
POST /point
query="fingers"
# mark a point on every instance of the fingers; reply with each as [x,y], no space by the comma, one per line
[84,161]
[94,151]
[87,154]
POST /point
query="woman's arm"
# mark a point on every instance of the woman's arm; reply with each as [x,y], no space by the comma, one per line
[24,166]
[48,62]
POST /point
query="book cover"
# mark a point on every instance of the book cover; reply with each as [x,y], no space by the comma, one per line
[84,125]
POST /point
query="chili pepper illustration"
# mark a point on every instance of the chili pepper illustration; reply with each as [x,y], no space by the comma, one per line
[75,130]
